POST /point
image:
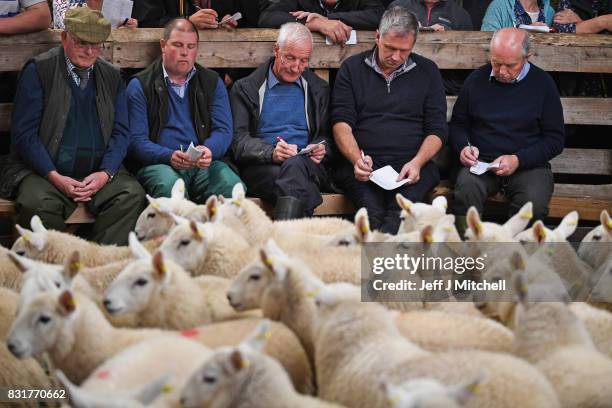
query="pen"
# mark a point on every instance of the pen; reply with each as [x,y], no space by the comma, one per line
[279,139]
[470,146]
[181,148]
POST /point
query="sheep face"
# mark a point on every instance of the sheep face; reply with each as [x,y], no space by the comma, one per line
[133,289]
[218,381]
[187,244]
[154,221]
[414,216]
[428,393]
[596,246]
[601,282]
[39,325]
[248,288]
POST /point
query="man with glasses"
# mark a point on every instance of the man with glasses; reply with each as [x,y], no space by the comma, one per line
[175,103]
[279,110]
[70,134]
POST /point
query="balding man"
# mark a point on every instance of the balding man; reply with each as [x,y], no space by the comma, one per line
[278,110]
[508,114]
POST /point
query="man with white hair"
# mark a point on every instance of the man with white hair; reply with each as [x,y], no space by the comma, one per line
[279,110]
[508,114]
[389,108]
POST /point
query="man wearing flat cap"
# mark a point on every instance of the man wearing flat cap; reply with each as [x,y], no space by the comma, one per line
[70,133]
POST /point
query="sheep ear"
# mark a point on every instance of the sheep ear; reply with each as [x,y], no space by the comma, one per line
[440,203]
[197,232]
[395,395]
[73,265]
[273,249]
[21,262]
[178,190]
[221,199]
[178,220]
[463,393]
[326,296]
[404,203]
[66,303]
[212,207]
[473,221]
[37,240]
[518,222]
[606,221]
[238,361]
[568,224]
[153,202]
[149,392]
[444,228]
[517,261]
[200,214]
[427,234]
[160,270]
[539,232]
[260,336]
[520,287]
[37,225]
[273,265]
[238,192]
[362,223]
[138,250]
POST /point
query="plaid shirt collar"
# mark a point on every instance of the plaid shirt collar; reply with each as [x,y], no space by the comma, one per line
[70,66]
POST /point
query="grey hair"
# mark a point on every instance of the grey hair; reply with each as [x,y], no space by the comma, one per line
[525,44]
[293,32]
[400,20]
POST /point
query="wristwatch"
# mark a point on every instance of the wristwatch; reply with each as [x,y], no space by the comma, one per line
[109,174]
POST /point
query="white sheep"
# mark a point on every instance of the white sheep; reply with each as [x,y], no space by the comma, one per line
[429,393]
[479,231]
[357,345]
[77,337]
[137,366]
[414,216]
[552,338]
[241,377]
[598,323]
[155,220]
[161,294]
[596,246]
[54,246]
[539,233]
[251,222]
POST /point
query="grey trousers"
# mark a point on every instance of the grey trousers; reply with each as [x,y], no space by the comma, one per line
[535,185]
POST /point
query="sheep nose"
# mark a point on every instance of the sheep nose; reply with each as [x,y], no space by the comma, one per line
[13,348]
[107,303]
[229,298]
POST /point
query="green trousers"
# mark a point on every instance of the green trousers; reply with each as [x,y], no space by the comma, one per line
[200,184]
[116,207]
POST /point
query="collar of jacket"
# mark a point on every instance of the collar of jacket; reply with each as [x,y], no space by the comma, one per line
[408,65]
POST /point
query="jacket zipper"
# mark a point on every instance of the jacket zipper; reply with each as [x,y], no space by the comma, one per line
[428,15]
[388,85]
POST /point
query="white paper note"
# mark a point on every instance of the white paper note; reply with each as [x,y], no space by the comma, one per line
[307,150]
[482,167]
[194,154]
[352,39]
[538,28]
[116,11]
[385,177]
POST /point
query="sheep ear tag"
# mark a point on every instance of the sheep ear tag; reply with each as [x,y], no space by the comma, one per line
[67,303]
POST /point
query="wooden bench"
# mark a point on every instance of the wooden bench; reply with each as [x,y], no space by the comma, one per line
[450,50]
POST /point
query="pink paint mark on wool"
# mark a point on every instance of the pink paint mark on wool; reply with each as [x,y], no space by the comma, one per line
[190,333]
[103,375]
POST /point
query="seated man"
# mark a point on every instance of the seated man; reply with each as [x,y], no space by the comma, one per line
[388,108]
[175,102]
[333,18]
[34,17]
[70,134]
[509,113]
[278,110]
[440,15]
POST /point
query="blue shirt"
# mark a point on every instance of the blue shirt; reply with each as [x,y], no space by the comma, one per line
[178,88]
[521,75]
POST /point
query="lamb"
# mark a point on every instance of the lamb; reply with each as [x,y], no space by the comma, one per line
[155,220]
[222,252]
[552,338]
[24,374]
[356,342]
[415,216]
[598,323]
[240,377]
[54,246]
[539,233]
[251,222]
[163,295]
[479,231]
[596,246]
[428,393]
[77,337]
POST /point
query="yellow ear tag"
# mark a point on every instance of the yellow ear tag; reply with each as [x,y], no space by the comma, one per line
[542,234]
[573,223]
[268,262]
[26,237]
[166,389]
[609,223]
[474,388]
[448,229]
[394,399]
[478,229]
[163,268]
[445,205]
[155,206]
[365,229]
[76,266]
[71,302]
[428,238]
[213,210]
[527,215]
[244,363]
[265,335]
[313,293]
[237,202]
[198,234]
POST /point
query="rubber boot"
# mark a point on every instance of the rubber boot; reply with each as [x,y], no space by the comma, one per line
[461,225]
[288,208]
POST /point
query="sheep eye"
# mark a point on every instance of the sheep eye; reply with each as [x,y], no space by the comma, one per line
[44,319]
[209,379]
[141,282]
[151,215]
[58,285]
[344,242]
[20,253]
[596,237]
[184,242]
[523,241]
[254,277]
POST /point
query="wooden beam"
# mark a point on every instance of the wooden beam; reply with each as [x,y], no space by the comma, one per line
[245,48]
[583,161]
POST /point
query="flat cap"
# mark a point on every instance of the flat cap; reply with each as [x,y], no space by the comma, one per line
[87,25]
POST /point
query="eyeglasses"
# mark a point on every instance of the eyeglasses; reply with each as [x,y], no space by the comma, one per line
[85,46]
[291,60]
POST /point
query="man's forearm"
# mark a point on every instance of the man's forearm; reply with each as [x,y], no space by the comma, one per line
[345,140]
[34,18]
[430,146]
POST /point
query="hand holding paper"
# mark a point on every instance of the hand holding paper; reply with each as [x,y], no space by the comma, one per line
[482,167]
[386,177]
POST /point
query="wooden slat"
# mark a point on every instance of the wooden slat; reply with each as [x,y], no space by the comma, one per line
[583,161]
[587,191]
[334,204]
[7,208]
[588,209]
[249,47]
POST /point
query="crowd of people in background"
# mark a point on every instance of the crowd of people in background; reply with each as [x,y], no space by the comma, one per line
[81,135]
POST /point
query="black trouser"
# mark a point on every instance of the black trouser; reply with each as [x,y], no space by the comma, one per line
[297,177]
[535,185]
[383,210]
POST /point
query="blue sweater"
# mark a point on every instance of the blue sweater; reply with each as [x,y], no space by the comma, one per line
[525,118]
[27,114]
[148,152]
[500,14]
